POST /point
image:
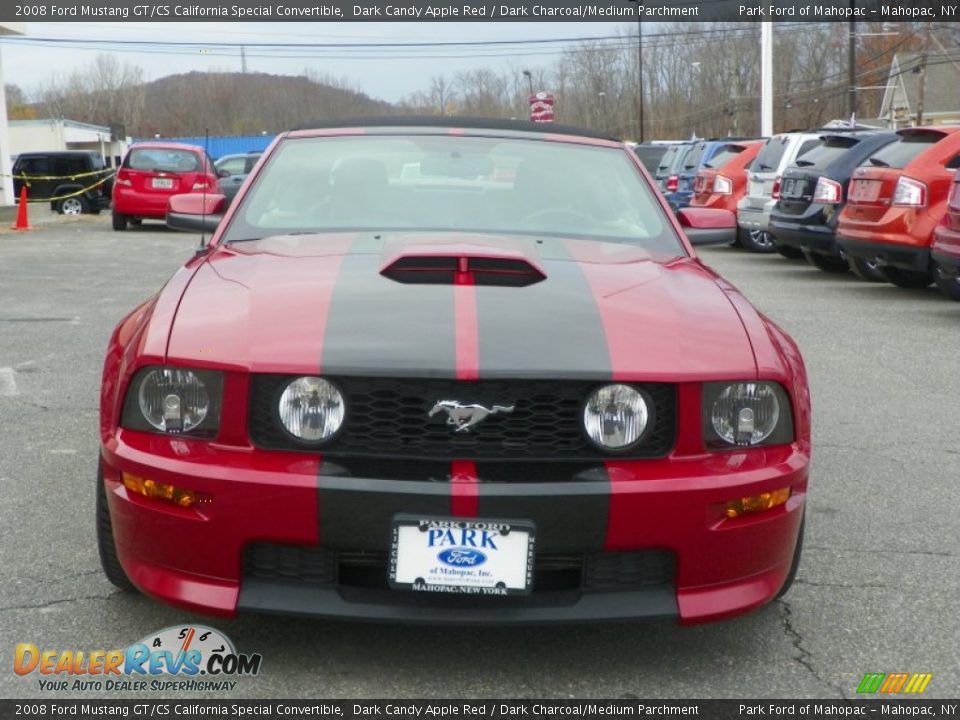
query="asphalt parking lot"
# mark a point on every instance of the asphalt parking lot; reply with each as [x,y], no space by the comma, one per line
[877,590]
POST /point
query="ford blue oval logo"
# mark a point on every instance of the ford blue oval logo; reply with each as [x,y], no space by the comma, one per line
[462,557]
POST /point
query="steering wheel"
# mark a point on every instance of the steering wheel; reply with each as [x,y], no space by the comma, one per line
[562,216]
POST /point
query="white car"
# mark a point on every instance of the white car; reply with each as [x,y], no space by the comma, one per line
[763,188]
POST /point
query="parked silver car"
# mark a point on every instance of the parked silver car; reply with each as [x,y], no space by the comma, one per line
[763,188]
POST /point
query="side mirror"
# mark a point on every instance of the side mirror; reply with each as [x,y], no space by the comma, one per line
[195,212]
[223,173]
[708,226]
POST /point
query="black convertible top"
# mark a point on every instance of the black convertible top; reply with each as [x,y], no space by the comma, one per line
[453,121]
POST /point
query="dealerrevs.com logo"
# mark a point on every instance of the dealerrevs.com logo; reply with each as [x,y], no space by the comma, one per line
[180,658]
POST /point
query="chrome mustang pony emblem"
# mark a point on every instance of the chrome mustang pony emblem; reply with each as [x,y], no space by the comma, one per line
[464,417]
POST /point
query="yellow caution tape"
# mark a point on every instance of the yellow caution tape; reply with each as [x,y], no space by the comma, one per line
[27,178]
[81,191]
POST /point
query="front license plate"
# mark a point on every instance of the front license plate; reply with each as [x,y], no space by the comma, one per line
[477,557]
[163,183]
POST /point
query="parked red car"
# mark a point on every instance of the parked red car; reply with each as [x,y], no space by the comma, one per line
[724,180]
[895,201]
[441,397]
[946,246]
[152,173]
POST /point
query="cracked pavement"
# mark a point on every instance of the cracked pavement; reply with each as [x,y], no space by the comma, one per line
[877,589]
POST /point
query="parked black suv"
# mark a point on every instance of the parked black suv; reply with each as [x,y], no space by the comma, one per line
[813,192]
[75,189]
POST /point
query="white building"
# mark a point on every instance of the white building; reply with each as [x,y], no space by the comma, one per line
[6,182]
[58,134]
[939,73]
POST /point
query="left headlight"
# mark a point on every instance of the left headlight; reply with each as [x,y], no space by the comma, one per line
[616,417]
[174,400]
[746,414]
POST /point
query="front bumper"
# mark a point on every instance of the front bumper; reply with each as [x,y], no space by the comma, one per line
[248,498]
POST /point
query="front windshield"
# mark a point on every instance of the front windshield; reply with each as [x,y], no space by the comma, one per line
[453,183]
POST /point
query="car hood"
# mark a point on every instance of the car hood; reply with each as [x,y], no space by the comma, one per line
[331,304]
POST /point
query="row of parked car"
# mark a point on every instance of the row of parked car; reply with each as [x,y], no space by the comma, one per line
[75,182]
[882,204]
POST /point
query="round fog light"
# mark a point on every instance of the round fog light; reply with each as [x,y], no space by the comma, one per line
[616,416]
[312,409]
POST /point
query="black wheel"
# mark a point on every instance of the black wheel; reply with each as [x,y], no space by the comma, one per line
[795,565]
[788,251]
[865,269]
[73,206]
[105,542]
[119,221]
[909,279]
[827,263]
[949,286]
[758,241]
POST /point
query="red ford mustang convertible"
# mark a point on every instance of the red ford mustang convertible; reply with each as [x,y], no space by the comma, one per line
[452,371]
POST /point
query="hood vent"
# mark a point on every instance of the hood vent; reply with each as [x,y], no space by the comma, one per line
[463,270]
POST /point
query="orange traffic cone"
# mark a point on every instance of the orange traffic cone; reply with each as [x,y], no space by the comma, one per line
[22,222]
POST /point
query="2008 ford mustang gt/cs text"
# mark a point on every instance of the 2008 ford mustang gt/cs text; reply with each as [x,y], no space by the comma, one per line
[456,371]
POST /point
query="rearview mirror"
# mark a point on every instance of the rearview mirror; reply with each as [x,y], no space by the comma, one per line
[708,226]
[195,212]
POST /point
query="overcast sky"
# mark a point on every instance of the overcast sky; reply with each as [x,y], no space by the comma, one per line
[30,65]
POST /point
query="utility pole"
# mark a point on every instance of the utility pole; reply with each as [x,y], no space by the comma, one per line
[922,88]
[640,72]
[766,79]
[243,59]
[852,67]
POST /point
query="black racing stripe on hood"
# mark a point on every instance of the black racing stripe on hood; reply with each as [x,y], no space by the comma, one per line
[550,329]
[380,327]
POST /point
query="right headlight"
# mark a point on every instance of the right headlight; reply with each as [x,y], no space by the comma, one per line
[746,414]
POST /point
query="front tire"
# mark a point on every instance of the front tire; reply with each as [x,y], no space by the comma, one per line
[758,241]
[106,543]
[73,206]
[865,269]
[909,279]
[119,221]
[827,263]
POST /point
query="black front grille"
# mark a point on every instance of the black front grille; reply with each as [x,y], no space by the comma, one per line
[389,417]
[553,572]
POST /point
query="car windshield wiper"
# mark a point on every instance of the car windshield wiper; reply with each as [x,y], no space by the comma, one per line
[804,163]
[877,162]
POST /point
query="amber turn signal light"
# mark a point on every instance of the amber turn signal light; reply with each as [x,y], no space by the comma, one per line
[756,503]
[159,491]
